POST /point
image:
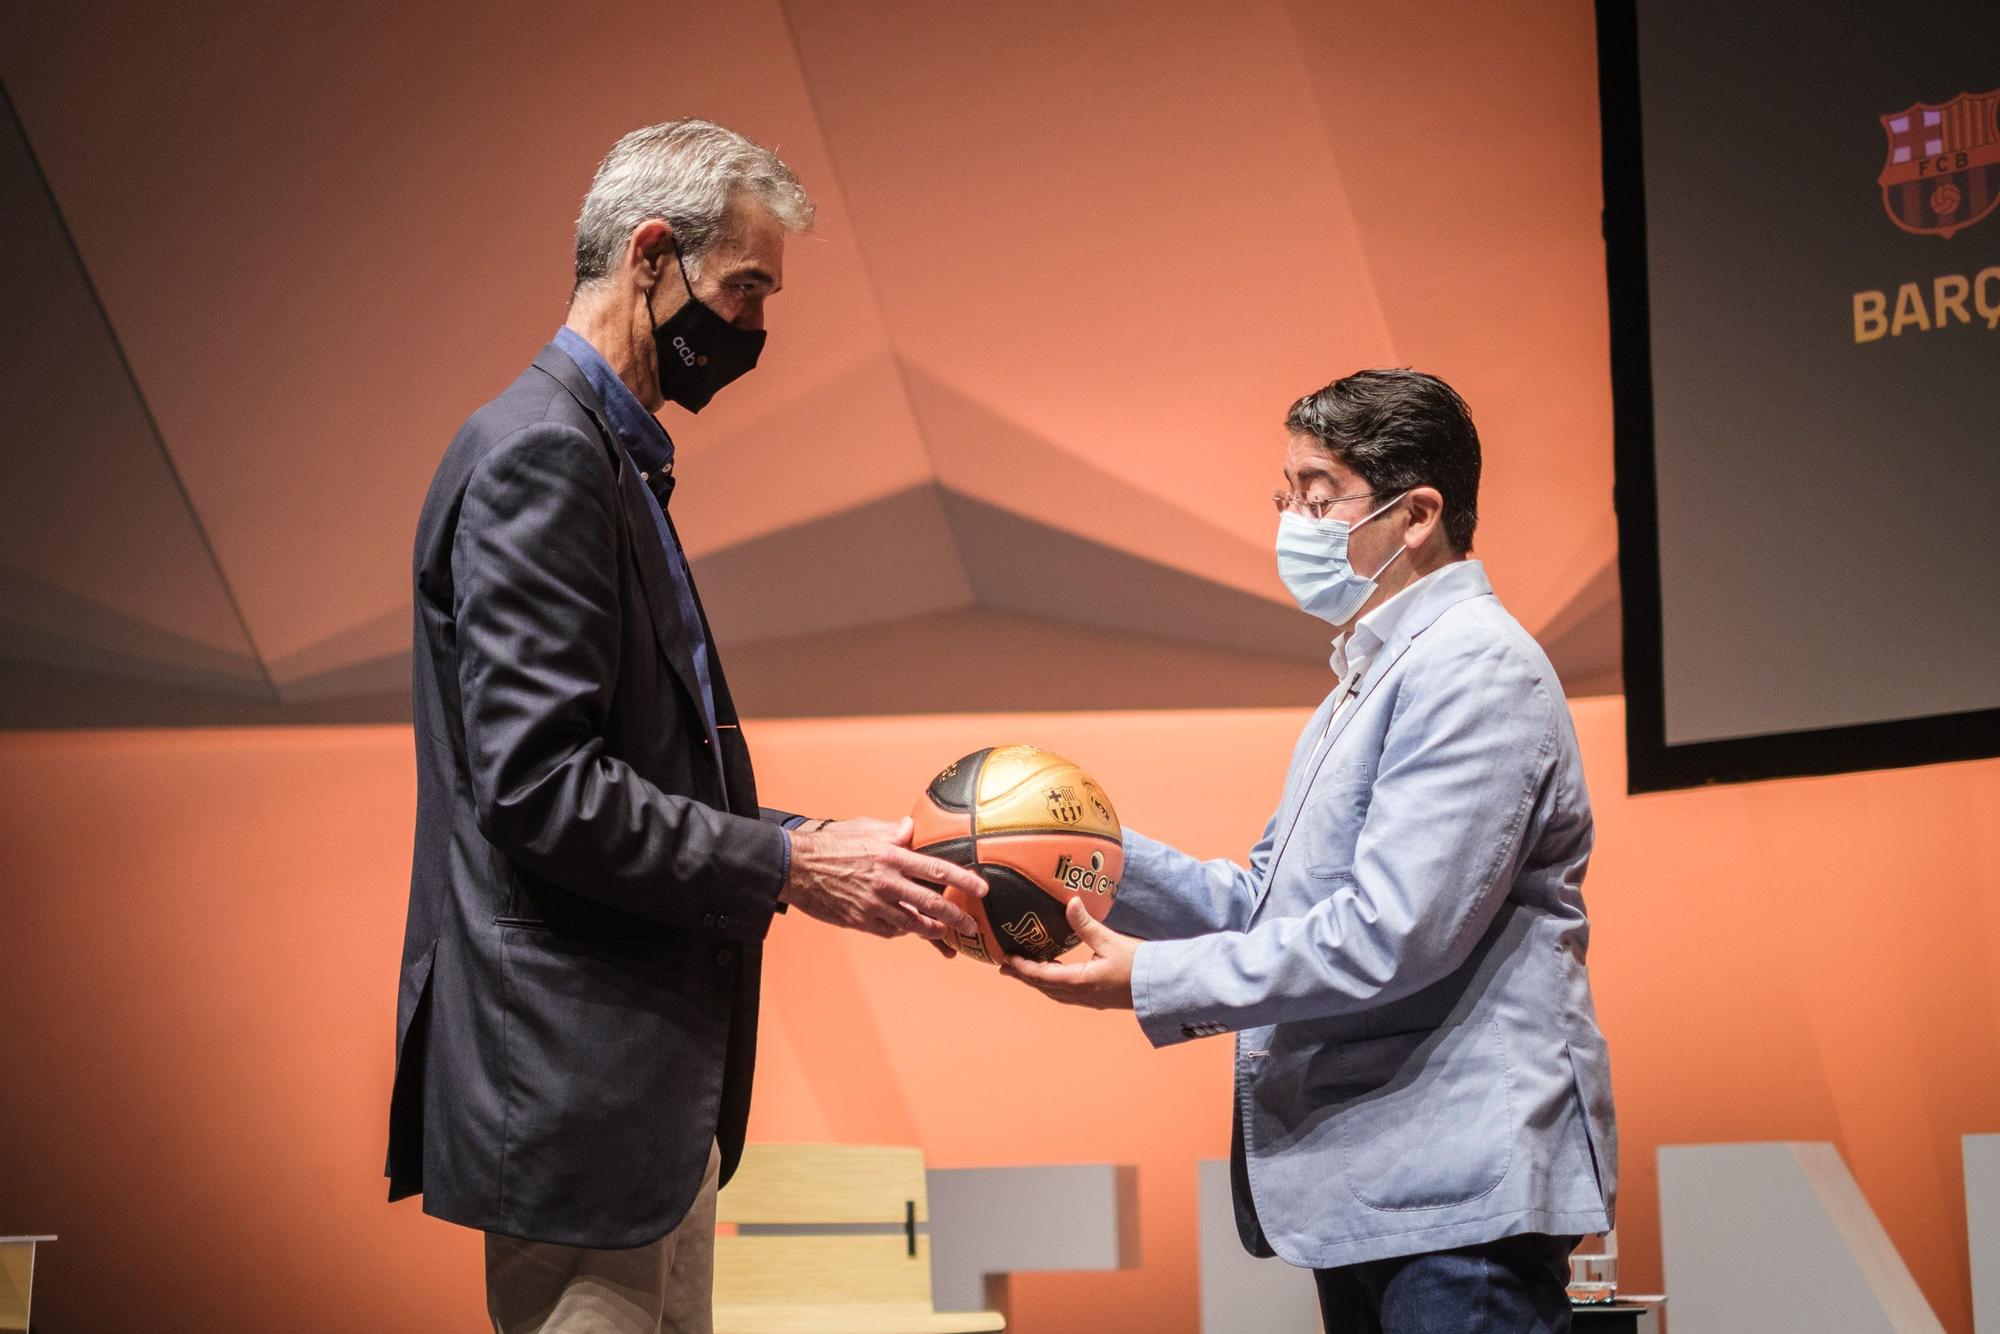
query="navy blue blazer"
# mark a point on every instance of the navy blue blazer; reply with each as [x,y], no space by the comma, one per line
[577,1015]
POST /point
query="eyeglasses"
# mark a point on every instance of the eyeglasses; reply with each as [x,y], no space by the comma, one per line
[1285,501]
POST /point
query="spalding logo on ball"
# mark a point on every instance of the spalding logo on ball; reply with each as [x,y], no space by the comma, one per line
[1039,831]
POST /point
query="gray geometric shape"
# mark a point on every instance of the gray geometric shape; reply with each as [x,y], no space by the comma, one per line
[1242,1293]
[980,453]
[978,661]
[933,601]
[1020,564]
[34,698]
[104,567]
[989,1222]
[889,558]
[54,628]
[1982,1227]
[312,672]
[1778,1238]
[1585,640]
[371,690]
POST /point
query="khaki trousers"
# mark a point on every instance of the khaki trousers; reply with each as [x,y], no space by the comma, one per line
[665,1287]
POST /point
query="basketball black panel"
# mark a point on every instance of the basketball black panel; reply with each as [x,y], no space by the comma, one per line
[955,788]
[957,851]
[1026,918]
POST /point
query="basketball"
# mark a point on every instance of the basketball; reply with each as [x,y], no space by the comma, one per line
[1039,831]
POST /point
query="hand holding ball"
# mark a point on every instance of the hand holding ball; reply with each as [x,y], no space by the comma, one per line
[1039,831]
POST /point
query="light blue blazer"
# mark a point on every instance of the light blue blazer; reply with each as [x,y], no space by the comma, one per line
[1418,1062]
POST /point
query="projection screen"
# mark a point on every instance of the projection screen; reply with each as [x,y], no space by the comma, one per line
[1802,227]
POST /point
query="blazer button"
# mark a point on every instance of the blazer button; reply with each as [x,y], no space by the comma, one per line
[708,919]
[725,957]
[722,920]
[1187,1031]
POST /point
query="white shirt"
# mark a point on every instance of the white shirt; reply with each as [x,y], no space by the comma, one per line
[1355,649]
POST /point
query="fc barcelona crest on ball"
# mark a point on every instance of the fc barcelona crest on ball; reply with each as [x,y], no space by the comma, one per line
[1063,804]
[1943,172]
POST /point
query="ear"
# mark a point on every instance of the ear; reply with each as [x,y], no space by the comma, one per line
[1426,506]
[650,250]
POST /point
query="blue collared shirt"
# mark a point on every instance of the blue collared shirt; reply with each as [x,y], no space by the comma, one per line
[651,451]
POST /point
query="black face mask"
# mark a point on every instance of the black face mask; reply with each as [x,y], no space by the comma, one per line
[699,351]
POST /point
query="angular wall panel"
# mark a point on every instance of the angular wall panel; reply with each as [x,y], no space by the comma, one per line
[1024,384]
[106,577]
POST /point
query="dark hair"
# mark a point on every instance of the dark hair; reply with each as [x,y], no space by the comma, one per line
[1398,429]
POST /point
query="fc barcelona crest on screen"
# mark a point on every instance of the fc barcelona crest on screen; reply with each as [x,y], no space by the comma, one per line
[1943,172]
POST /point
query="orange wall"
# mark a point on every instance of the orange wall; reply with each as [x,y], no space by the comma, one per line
[199,933]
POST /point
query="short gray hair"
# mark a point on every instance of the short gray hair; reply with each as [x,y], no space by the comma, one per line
[688,172]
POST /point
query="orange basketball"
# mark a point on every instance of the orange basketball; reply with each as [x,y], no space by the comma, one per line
[1039,831]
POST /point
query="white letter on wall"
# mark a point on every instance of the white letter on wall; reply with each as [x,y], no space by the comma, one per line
[1778,1238]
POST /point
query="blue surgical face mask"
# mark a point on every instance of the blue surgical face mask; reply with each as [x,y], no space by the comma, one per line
[1312,560]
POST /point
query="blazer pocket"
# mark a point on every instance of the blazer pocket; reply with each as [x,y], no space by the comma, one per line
[1426,1118]
[605,1045]
[583,935]
[1330,822]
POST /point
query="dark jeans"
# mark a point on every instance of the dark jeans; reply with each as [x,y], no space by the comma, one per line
[1517,1285]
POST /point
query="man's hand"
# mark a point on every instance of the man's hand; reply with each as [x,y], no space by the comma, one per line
[861,874]
[1103,982]
[863,827]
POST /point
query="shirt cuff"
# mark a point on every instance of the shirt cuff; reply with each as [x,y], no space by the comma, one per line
[785,828]
[784,860]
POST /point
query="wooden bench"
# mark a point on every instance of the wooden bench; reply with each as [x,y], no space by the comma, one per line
[17,1281]
[829,1239]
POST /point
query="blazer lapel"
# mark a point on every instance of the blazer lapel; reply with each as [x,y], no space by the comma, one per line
[676,645]
[1295,774]
[1316,760]
[738,784]
[669,630]
[1452,585]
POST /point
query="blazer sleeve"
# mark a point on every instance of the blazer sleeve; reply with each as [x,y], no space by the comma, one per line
[534,561]
[1464,759]
[1168,895]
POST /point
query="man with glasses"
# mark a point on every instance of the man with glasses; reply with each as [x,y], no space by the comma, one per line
[1423,1102]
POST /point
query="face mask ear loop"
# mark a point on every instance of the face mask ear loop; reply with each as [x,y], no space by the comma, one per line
[651,320]
[1399,550]
[1370,519]
[684,270]
[1378,514]
[1376,577]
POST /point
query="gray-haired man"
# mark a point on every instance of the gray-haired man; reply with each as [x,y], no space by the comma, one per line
[593,874]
